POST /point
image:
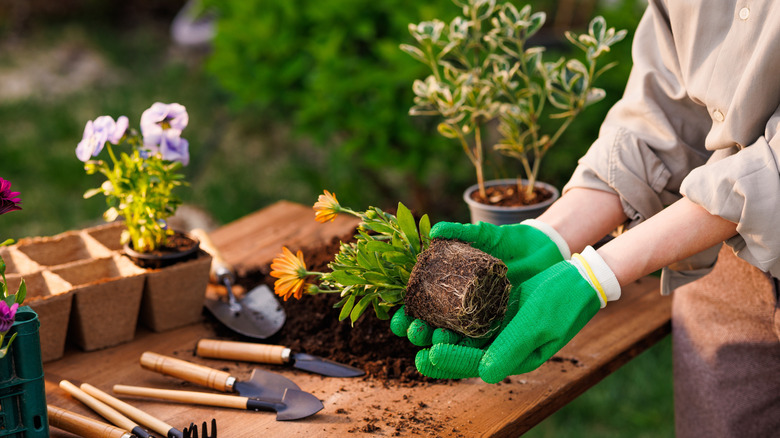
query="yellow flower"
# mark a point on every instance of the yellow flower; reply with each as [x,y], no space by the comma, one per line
[326,207]
[290,269]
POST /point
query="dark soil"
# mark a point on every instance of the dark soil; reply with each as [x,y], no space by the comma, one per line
[312,326]
[178,248]
[456,286]
[510,196]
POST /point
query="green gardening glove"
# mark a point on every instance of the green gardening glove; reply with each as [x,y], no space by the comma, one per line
[422,334]
[548,310]
[527,248]
[524,248]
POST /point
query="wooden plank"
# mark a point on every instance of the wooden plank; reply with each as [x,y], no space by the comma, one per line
[254,240]
[450,408]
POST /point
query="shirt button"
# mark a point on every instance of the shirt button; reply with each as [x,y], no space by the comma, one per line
[744,13]
[718,116]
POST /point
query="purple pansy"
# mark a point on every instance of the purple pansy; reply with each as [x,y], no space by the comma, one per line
[161,126]
[175,149]
[97,133]
[7,315]
[9,201]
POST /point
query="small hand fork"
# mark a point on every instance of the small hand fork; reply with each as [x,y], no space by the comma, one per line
[192,431]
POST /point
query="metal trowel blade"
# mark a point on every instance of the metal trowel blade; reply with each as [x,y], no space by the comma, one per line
[260,316]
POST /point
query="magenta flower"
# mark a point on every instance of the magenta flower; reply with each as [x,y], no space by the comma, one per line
[161,127]
[7,315]
[97,133]
[9,201]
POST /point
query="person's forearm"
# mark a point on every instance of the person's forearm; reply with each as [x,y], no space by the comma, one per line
[677,232]
[584,216]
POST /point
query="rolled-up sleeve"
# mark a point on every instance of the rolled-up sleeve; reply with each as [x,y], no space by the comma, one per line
[745,188]
[654,135]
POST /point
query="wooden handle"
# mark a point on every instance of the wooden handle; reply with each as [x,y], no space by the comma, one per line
[219,266]
[244,351]
[96,405]
[198,374]
[199,398]
[83,426]
[134,413]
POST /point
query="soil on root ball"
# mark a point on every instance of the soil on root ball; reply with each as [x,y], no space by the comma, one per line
[458,287]
[312,326]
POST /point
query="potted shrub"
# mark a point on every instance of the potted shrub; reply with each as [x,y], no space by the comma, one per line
[141,177]
[393,261]
[483,72]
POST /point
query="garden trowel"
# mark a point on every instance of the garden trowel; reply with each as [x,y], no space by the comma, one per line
[262,384]
[292,405]
[257,314]
[274,354]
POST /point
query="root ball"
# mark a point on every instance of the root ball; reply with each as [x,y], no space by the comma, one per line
[456,286]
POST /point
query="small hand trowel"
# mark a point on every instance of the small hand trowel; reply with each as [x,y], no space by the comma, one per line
[274,354]
[257,314]
[261,391]
[264,384]
[292,405]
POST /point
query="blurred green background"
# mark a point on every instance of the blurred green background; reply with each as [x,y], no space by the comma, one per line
[290,98]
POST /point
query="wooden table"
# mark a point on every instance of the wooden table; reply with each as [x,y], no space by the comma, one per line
[364,405]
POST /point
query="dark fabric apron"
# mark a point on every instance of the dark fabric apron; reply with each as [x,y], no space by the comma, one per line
[726,349]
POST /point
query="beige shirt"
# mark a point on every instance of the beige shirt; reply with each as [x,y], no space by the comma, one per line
[700,118]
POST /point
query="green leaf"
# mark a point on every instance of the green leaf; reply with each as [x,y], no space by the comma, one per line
[363,259]
[378,227]
[347,309]
[392,296]
[537,21]
[22,292]
[597,28]
[408,227]
[360,307]
[341,302]
[345,278]
[448,131]
[4,350]
[381,311]
[425,230]
[376,279]
[378,246]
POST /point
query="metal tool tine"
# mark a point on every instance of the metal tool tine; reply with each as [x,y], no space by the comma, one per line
[213,433]
[192,431]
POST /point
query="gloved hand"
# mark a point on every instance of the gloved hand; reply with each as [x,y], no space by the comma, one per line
[543,314]
[526,248]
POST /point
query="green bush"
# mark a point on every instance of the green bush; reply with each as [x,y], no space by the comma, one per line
[333,71]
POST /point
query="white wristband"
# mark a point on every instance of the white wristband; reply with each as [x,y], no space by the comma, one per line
[596,266]
[563,247]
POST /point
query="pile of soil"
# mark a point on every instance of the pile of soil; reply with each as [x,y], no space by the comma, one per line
[312,326]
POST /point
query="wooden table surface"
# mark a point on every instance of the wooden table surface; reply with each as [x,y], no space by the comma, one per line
[366,405]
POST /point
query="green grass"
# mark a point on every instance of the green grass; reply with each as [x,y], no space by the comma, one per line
[240,163]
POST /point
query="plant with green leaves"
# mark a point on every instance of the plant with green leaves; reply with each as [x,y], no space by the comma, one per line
[483,69]
[370,272]
[141,180]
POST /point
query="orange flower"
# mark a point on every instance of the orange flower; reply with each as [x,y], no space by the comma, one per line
[290,269]
[326,207]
